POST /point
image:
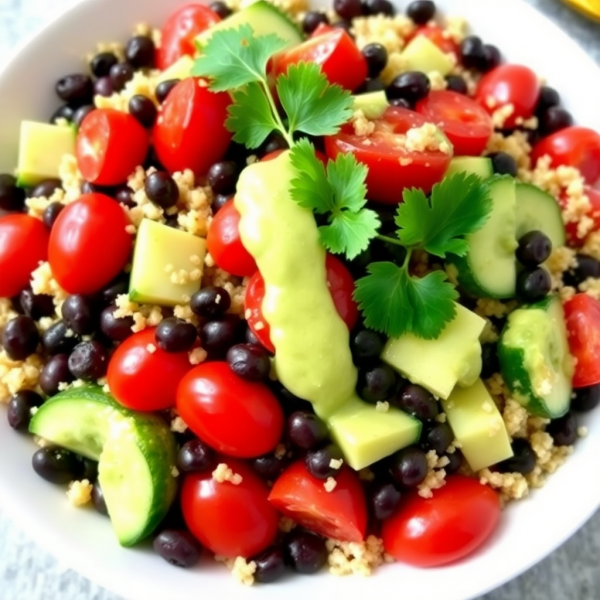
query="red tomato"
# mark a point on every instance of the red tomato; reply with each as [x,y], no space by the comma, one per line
[23,245]
[509,84]
[236,417]
[89,244]
[438,36]
[451,525]
[190,129]
[381,152]
[577,147]
[144,380]
[582,315]
[340,514]
[336,53]
[230,520]
[593,212]
[180,31]
[341,287]
[110,145]
[225,245]
[466,124]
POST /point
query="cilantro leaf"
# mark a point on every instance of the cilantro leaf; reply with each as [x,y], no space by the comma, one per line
[349,233]
[250,116]
[395,303]
[312,104]
[347,178]
[234,57]
[459,205]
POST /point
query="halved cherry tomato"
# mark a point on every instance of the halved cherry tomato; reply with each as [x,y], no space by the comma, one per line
[89,244]
[180,31]
[110,145]
[577,147]
[230,520]
[236,417]
[143,377]
[429,532]
[341,288]
[466,124]
[593,212]
[392,167]
[23,245]
[336,53]
[582,315]
[190,129]
[225,245]
[438,36]
[340,514]
[509,84]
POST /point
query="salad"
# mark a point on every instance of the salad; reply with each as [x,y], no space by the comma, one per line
[292,288]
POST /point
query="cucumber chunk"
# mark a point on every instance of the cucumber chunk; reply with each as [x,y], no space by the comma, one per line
[373,104]
[489,269]
[535,360]
[471,165]
[136,453]
[539,211]
[421,54]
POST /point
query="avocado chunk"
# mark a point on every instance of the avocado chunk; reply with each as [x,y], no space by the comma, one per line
[41,148]
[366,435]
[438,365]
[180,69]
[478,425]
[167,265]
[421,54]
[373,104]
[471,165]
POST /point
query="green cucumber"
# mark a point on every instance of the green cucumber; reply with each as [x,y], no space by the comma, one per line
[136,453]
[471,165]
[539,211]
[372,104]
[489,268]
[535,360]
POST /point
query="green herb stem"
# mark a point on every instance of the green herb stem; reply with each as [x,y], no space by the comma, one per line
[287,136]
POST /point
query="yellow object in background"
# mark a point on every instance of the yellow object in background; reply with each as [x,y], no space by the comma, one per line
[590,8]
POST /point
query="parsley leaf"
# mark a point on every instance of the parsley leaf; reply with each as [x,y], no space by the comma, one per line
[312,104]
[396,303]
[310,188]
[234,57]
[349,233]
[347,178]
[459,205]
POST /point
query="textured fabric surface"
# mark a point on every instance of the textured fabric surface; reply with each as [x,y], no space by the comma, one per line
[29,573]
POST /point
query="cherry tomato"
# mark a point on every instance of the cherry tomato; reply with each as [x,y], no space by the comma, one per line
[225,245]
[593,212]
[582,315]
[577,147]
[180,31]
[236,417]
[110,145]
[438,36]
[89,244]
[23,245]
[340,514]
[341,288]
[143,377]
[509,84]
[429,532]
[466,124]
[190,129]
[336,53]
[230,520]
[391,167]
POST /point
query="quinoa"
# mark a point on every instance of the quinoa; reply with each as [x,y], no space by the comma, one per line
[80,493]
[224,473]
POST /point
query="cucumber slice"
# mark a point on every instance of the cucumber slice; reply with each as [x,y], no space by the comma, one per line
[489,268]
[136,453]
[539,211]
[471,165]
[264,18]
[535,360]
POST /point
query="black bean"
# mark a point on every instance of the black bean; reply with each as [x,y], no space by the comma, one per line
[178,547]
[489,360]
[411,86]
[59,339]
[371,85]
[89,469]
[421,11]
[563,430]
[457,84]
[195,456]
[102,63]
[554,119]
[19,408]
[455,462]
[289,402]
[376,384]
[250,337]
[120,74]
[124,196]
[409,467]
[56,465]
[586,398]
[437,437]
[20,337]
[211,302]
[114,328]
[534,249]
[105,87]
[273,143]
[472,54]
[312,20]
[51,213]
[270,565]
[55,372]
[98,500]
[417,401]
[305,552]
[175,335]
[88,361]
[376,56]
[585,268]
[12,197]
[222,177]
[221,9]
[64,112]
[76,89]
[533,285]
[384,500]
[366,346]
[79,313]
[45,189]
[219,335]
[36,306]
[305,430]
[268,467]
[318,461]
[548,97]
[163,89]
[249,362]
[143,109]
[523,461]
[161,189]
[348,9]
[503,164]
[115,288]
[219,201]
[491,58]
[81,113]
[379,7]
[140,52]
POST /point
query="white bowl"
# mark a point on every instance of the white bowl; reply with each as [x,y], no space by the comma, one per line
[530,529]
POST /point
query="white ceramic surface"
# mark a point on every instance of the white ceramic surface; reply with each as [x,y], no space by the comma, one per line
[530,529]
